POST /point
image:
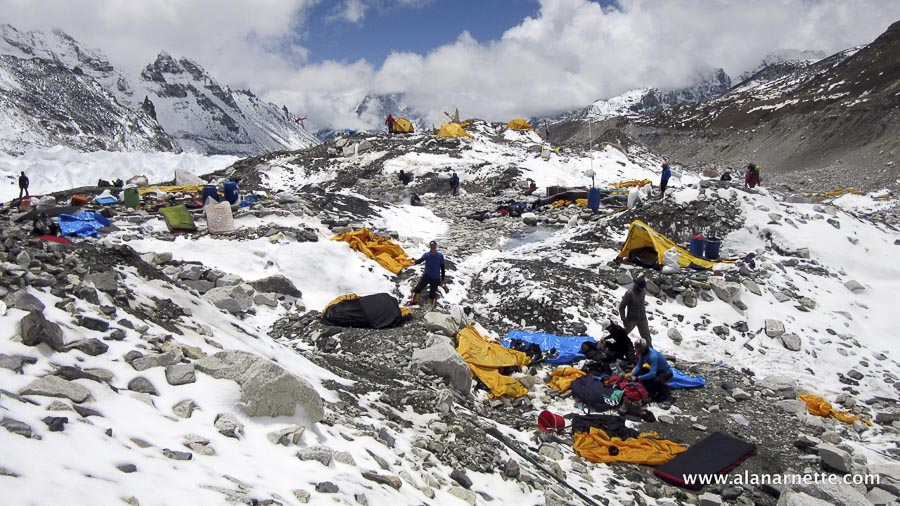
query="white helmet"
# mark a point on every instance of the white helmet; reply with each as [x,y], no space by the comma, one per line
[605,324]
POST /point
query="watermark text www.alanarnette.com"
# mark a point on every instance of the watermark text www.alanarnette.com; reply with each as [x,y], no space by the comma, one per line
[747,478]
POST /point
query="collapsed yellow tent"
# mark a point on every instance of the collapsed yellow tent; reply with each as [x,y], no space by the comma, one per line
[381,249]
[519,124]
[452,130]
[818,406]
[402,126]
[561,379]
[485,359]
[645,449]
[641,235]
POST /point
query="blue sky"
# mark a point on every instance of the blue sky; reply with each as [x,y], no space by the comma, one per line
[419,28]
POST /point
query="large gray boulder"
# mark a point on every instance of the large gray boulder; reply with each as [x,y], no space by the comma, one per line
[54,386]
[267,389]
[836,494]
[834,458]
[785,386]
[276,284]
[799,499]
[441,323]
[36,329]
[726,291]
[21,299]
[441,359]
[234,299]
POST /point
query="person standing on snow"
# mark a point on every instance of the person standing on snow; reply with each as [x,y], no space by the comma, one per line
[664,179]
[632,312]
[433,275]
[390,123]
[752,179]
[23,185]
[454,184]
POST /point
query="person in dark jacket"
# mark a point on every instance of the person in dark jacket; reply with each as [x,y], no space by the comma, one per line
[433,275]
[726,176]
[664,179]
[454,184]
[404,177]
[652,370]
[617,342]
[23,185]
[632,312]
[752,179]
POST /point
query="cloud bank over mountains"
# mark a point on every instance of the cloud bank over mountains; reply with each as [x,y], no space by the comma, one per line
[570,54]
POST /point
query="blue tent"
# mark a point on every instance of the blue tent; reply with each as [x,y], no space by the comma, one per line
[569,347]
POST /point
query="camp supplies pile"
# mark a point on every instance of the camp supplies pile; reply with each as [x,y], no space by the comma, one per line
[716,454]
[376,311]
[381,249]
[485,359]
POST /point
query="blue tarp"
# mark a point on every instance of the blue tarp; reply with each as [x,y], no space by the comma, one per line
[569,347]
[85,224]
[682,380]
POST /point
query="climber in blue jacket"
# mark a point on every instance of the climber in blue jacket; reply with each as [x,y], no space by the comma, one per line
[658,371]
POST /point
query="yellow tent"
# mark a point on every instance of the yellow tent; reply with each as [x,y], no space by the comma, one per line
[452,130]
[381,249]
[627,184]
[485,359]
[519,124]
[641,235]
[402,126]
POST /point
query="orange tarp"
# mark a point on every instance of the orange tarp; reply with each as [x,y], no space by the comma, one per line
[818,406]
[485,359]
[381,249]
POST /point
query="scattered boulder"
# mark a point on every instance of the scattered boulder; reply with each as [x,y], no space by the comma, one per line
[276,284]
[53,386]
[180,374]
[774,328]
[791,342]
[834,458]
[228,425]
[441,359]
[36,329]
[267,389]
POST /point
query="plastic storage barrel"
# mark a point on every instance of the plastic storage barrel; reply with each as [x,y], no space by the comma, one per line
[230,189]
[698,242]
[712,248]
[210,191]
[594,199]
[131,196]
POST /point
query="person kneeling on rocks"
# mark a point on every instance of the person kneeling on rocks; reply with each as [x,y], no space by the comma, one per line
[652,371]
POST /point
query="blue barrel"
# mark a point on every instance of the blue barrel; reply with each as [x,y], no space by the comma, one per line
[712,248]
[698,242]
[231,191]
[594,199]
[209,191]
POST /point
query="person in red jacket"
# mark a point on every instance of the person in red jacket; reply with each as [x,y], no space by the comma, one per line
[390,123]
[751,179]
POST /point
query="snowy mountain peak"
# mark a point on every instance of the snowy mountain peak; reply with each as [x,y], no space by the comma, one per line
[206,117]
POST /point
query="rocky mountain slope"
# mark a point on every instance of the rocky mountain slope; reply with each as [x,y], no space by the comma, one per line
[196,368]
[56,91]
[823,126]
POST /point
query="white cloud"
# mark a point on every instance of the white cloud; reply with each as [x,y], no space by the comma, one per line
[571,53]
[351,11]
